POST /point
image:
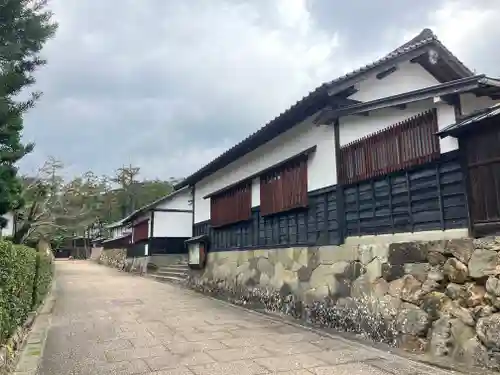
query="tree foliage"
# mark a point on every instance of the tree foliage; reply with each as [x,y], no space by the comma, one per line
[61,209]
[25,26]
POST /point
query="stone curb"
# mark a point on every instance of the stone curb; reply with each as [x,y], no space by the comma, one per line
[31,354]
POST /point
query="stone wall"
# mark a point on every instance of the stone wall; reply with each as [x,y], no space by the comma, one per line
[136,264]
[440,297]
[95,253]
[115,258]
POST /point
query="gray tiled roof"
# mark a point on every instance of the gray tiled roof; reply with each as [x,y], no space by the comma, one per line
[277,125]
[471,119]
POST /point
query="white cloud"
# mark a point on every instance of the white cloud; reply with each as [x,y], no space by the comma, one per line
[169,85]
[243,62]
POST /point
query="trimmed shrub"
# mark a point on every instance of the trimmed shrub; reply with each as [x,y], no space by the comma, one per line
[17,270]
[43,278]
[25,278]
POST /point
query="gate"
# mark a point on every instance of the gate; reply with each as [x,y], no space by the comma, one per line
[482,155]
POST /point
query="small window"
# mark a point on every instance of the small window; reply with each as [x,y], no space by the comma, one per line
[231,206]
[284,188]
[400,146]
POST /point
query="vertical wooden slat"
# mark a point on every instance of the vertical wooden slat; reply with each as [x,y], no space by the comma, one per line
[398,147]
[231,206]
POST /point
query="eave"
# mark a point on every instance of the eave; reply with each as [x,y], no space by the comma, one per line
[482,116]
[444,90]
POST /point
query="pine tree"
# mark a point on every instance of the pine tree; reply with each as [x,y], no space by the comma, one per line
[25,26]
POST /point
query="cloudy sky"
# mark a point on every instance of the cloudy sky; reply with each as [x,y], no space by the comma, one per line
[167,85]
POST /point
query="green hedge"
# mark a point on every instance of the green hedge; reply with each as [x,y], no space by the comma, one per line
[43,278]
[25,276]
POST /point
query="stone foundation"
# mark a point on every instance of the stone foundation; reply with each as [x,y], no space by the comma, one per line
[96,253]
[115,258]
[440,297]
[136,264]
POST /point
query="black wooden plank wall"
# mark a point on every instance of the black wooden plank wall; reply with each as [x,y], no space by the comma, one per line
[435,199]
[136,250]
[428,198]
[167,245]
[316,225]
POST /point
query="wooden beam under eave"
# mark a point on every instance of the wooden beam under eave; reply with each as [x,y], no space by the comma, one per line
[351,90]
[387,72]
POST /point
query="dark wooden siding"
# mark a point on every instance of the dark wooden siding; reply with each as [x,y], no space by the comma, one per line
[428,197]
[140,231]
[136,250]
[167,245]
[482,159]
[231,206]
[284,188]
[401,146]
[316,225]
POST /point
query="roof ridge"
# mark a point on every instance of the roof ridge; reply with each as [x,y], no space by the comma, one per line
[425,35]
[423,38]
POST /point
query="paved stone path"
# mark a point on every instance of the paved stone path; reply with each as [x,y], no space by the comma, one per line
[107,322]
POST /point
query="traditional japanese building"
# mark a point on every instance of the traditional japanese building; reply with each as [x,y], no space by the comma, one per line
[357,160]
[159,229]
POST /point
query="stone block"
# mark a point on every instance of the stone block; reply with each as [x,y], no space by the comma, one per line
[436,259]
[320,275]
[265,267]
[453,309]
[407,252]
[456,271]
[484,263]
[412,320]
[304,273]
[264,280]
[244,256]
[461,249]
[285,257]
[367,252]
[300,256]
[433,303]
[392,272]
[361,288]
[457,293]
[417,270]
[261,253]
[411,289]
[488,331]
[475,294]
[395,288]
[374,269]
[335,254]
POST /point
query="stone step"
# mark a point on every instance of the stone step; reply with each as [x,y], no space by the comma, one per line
[168,279]
[172,273]
[175,267]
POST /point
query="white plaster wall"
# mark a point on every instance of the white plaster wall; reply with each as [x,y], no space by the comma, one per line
[256,192]
[471,103]
[355,127]
[9,228]
[321,167]
[172,224]
[408,77]
[180,200]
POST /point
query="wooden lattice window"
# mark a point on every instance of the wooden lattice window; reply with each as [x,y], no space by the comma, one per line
[400,146]
[284,188]
[231,206]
